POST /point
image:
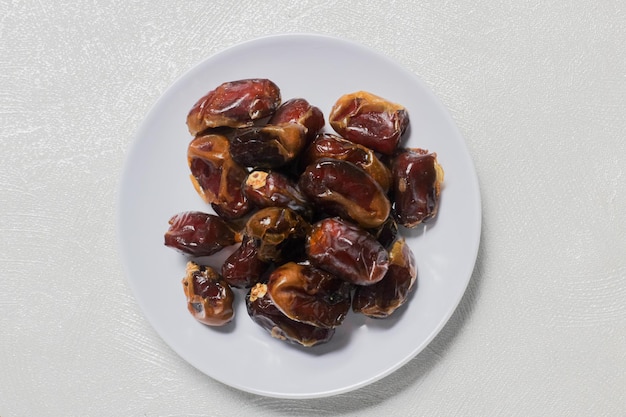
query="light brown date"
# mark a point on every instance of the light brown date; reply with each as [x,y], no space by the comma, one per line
[309,295]
[209,298]
[381,299]
[216,177]
[347,251]
[234,104]
[345,190]
[280,233]
[417,178]
[369,120]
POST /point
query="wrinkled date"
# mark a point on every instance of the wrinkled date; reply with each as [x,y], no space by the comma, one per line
[264,313]
[417,178]
[280,233]
[234,104]
[199,234]
[384,297]
[270,146]
[347,251]
[243,268]
[300,111]
[309,295]
[343,189]
[209,298]
[273,189]
[369,120]
[327,145]
[216,177]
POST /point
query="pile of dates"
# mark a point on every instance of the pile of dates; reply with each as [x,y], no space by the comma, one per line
[313,216]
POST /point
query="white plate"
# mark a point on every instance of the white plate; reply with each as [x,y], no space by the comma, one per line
[155,185]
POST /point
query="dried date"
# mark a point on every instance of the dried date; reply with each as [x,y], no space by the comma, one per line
[269,146]
[199,234]
[300,111]
[347,251]
[309,295]
[209,298]
[369,120]
[417,178]
[264,312]
[234,104]
[343,189]
[216,177]
[381,299]
[243,268]
[273,189]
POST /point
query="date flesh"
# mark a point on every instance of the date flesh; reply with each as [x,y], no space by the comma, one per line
[417,178]
[300,111]
[264,313]
[309,295]
[327,145]
[199,234]
[369,120]
[234,104]
[216,177]
[345,190]
[347,251]
[380,300]
[209,298]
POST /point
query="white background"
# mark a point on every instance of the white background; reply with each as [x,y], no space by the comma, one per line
[538,90]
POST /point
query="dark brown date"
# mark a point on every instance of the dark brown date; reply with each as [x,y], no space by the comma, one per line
[264,313]
[347,251]
[369,120]
[273,189]
[209,298]
[199,234]
[417,178]
[386,233]
[216,177]
[327,145]
[243,268]
[345,190]
[269,146]
[280,232]
[309,295]
[234,104]
[386,296]
[300,111]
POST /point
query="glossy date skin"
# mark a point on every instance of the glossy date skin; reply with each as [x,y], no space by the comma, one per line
[209,298]
[347,251]
[199,234]
[328,145]
[243,268]
[269,146]
[369,120]
[386,296]
[417,178]
[280,233]
[273,189]
[300,111]
[234,104]
[345,190]
[309,295]
[216,177]
[264,312]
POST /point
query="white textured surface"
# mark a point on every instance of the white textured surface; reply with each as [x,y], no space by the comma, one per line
[538,89]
